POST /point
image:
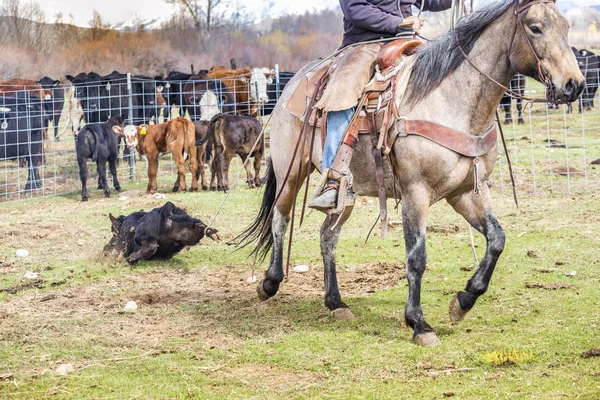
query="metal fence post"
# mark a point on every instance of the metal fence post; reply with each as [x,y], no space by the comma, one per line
[277,87]
[132,152]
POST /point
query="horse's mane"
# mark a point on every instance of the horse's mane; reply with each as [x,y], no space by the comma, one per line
[442,57]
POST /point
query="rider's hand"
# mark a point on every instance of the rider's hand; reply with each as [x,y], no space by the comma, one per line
[415,23]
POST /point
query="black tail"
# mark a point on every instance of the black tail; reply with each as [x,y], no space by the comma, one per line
[260,230]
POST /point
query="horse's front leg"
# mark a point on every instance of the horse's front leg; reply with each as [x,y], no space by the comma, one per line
[415,208]
[476,209]
[329,241]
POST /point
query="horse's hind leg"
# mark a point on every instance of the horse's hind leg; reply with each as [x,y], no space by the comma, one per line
[476,209]
[415,208]
[329,241]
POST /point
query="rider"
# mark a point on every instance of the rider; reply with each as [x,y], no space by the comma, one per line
[364,20]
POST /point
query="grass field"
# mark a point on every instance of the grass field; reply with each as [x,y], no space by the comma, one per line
[200,331]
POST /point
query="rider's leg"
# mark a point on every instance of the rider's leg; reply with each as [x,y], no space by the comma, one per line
[337,124]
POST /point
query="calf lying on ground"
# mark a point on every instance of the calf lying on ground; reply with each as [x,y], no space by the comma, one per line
[176,137]
[156,235]
[231,135]
[99,142]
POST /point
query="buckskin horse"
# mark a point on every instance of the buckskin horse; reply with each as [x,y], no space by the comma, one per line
[451,86]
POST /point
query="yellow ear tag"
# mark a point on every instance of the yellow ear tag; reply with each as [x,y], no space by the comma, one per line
[143,131]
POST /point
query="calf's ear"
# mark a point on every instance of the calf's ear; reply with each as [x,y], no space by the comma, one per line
[117,130]
[116,224]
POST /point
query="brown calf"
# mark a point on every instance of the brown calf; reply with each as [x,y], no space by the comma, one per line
[231,135]
[177,137]
[11,86]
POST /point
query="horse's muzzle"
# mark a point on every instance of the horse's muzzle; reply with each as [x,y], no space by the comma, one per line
[572,90]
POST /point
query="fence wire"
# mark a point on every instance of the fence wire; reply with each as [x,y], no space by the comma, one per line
[554,150]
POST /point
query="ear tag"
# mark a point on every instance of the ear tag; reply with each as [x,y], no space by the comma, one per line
[4,125]
[143,131]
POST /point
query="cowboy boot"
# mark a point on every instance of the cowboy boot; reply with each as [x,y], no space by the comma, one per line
[327,199]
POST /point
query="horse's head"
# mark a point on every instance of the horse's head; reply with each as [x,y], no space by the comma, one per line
[540,49]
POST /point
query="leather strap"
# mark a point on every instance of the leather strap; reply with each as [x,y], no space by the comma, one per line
[379,176]
[457,141]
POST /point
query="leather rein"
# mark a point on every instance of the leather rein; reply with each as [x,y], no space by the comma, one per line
[544,76]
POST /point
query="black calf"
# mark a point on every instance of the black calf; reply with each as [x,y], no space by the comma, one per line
[156,235]
[99,142]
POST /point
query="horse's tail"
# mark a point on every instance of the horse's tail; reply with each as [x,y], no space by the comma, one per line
[260,230]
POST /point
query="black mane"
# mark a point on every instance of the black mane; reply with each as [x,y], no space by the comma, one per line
[441,57]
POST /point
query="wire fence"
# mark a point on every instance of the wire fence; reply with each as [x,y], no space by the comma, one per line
[554,150]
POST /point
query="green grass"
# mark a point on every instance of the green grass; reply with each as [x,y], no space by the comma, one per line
[204,334]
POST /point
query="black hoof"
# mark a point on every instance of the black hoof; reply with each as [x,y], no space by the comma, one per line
[175,190]
[107,194]
[100,187]
[204,187]
[84,199]
[213,189]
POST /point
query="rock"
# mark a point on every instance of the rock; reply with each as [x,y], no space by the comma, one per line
[130,306]
[301,269]
[81,242]
[532,254]
[571,273]
[30,275]
[252,279]
[64,369]
[159,196]
[22,253]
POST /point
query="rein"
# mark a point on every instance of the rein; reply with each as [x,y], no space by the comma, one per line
[543,74]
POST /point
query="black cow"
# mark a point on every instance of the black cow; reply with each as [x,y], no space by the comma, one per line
[273,91]
[99,142]
[55,105]
[21,133]
[589,65]
[517,85]
[156,235]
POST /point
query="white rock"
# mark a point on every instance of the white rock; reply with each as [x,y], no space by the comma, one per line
[22,253]
[159,196]
[64,369]
[252,279]
[130,306]
[123,198]
[81,242]
[30,275]
[571,273]
[301,269]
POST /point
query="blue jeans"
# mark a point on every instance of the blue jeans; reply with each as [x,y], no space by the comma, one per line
[337,123]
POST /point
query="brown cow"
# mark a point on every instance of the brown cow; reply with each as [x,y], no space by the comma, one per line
[152,141]
[11,86]
[247,85]
[231,135]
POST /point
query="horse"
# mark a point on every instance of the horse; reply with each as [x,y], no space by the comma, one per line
[442,88]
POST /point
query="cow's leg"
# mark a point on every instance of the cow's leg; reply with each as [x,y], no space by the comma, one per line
[101,168]
[520,120]
[112,165]
[83,175]
[226,162]
[258,158]
[329,241]
[249,177]
[415,208]
[507,111]
[146,251]
[201,173]
[180,162]
[477,211]
[152,172]
[214,167]
[193,165]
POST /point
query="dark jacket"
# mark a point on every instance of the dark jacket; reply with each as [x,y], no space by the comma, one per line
[373,19]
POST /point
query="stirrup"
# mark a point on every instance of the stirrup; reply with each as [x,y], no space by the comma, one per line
[326,198]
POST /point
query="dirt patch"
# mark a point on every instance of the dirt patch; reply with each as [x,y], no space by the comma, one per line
[550,286]
[450,229]
[218,307]
[36,283]
[591,353]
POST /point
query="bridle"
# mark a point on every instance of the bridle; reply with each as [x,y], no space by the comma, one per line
[543,74]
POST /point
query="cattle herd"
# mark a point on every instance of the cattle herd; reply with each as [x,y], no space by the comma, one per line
[98,102]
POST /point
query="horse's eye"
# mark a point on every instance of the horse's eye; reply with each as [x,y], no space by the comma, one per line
[535,29]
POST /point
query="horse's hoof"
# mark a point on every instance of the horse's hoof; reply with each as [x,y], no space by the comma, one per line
[457,314]
[262,296]
[204,187]
[428,339]
[342,314]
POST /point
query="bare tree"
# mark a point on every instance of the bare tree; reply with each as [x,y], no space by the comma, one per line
[203,13]
[98,29]
[24,24]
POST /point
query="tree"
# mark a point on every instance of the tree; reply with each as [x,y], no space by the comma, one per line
[203,13]
[97,27]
